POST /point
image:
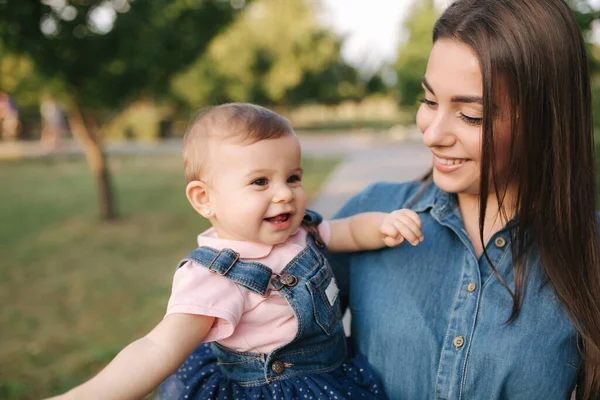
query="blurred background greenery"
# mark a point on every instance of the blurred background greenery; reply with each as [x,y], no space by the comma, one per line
[88,244]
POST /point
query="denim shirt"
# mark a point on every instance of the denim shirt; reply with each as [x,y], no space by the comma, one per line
[432,319]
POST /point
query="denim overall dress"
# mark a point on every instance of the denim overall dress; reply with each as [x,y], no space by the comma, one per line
[314,365]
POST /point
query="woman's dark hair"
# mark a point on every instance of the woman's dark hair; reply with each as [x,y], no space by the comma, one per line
[531,53]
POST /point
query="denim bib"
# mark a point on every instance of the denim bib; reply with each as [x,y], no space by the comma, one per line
[308,285]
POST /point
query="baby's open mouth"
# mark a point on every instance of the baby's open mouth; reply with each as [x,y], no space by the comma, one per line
[279,218]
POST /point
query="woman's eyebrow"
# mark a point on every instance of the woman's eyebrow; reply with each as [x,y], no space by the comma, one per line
[467,99]
[427,85]
[455,99]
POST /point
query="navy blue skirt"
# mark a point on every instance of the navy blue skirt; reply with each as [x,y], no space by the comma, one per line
[200,378]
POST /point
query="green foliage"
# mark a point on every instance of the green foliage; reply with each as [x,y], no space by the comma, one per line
[149,42]
[275,53]
[413,55]
[585,16]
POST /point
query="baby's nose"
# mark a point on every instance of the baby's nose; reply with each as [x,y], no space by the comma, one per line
[283,194]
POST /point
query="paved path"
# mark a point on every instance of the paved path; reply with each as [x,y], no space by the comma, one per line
[395,161]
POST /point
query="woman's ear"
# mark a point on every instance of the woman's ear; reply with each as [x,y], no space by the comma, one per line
[198,194]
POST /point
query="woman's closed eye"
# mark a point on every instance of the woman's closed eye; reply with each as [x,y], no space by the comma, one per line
[476,121]
[429,103]
[471,120]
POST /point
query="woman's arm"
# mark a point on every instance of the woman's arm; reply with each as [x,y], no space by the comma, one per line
[374,230]
[141,366]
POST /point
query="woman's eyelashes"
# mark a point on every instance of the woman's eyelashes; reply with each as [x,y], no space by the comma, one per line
[475,121]
[471,120]
[428,102]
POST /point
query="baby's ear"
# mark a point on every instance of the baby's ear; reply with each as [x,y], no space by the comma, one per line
[198,195]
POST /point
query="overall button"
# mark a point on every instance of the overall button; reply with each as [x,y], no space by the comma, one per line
[458,342]
[500,242]
[278,367]
[471,287]
[288,279]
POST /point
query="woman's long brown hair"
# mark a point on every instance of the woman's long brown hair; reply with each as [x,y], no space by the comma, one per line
[532,54]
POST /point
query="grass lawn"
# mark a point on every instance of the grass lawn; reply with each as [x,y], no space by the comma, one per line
[76,290]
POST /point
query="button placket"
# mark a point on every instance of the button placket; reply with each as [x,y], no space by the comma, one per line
[460,328]
[450,371]
[458,342]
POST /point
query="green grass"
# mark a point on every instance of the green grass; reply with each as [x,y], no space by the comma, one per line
[75,290]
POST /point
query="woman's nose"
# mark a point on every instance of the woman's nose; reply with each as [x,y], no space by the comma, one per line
[438,131]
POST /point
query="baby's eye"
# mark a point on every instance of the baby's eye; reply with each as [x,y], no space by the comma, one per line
[260,182]
[294,179]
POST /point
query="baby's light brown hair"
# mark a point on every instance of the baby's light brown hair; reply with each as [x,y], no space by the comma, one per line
[243,122]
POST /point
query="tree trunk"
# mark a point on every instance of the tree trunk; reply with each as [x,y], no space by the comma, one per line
[84,132]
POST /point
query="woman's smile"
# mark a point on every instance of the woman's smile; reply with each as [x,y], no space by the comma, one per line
[444,164]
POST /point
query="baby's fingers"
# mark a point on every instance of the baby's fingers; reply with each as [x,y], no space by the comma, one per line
[413,216]
[409,230]
[393,241]
[391,235]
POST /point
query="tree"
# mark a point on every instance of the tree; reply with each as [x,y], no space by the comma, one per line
[276,53]
[103,54]
[413,54]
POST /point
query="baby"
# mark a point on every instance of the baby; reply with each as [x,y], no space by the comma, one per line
[258,287]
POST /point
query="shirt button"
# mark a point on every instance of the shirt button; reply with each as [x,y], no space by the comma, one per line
[500,242]
[458,341]
[278,367]
[471,287]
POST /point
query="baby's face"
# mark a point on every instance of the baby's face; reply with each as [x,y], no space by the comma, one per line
[256,189]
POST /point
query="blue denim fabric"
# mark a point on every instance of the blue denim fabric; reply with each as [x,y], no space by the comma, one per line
[319,345]
[411,304]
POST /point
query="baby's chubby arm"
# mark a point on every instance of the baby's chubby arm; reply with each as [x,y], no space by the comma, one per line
[141,366]
[374,230]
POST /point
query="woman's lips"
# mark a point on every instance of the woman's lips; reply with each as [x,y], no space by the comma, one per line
[448,164]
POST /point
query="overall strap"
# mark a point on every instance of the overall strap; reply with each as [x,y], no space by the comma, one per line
[311,218]
[310,222]
[253,276]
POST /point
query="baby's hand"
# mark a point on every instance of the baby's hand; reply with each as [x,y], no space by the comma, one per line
[399,225]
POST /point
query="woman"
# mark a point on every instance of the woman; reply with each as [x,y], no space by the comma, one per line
[502,298]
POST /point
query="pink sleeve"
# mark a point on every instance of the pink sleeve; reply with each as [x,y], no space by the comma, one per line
[325,231]
[196,290]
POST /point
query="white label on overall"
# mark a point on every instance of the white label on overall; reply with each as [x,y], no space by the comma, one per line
[332,291]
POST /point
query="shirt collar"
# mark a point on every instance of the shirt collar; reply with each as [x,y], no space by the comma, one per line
[247,250]
[430,196]
[440,203]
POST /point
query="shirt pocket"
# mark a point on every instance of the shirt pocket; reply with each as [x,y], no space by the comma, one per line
[325,297]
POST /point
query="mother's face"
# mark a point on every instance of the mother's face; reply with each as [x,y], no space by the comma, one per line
[451,116]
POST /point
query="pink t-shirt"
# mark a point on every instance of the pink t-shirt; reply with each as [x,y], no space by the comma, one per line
[244,320]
